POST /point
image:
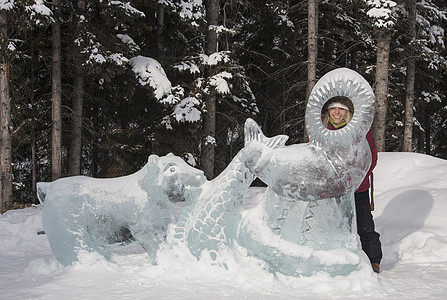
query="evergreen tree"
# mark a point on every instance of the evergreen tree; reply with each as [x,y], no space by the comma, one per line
[271,44]
[140,75]
[22,18]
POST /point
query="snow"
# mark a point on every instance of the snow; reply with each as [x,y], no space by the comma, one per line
[215,58]
[128,41]
[36,9]
[381,12]
[189,9]
[436,35]
[39,8]
[410,201]
[210,140]
[185,110]
[187,66]
[129,9]
[7,4]
[222,29]
[149,71]
[220,83]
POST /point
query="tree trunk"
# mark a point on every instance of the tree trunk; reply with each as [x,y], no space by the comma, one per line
[411,74]
[33,130]
[209,115]
[427,128]
[312,32]
[76,122]
[421,133]
[5,117]
[33,166]
[383,56]
[78,99]
[56,89]
[160,29]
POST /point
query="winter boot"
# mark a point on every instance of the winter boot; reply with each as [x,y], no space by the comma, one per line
[376,267]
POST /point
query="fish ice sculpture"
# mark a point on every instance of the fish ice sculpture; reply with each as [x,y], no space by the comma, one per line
[310,196]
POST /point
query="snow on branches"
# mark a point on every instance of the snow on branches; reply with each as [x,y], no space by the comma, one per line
[381,12]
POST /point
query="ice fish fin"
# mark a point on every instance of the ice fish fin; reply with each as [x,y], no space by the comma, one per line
[42,188]
[253,132]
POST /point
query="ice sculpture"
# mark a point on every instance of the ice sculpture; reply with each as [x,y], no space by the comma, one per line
[87,214]
[310,197]
[304,224]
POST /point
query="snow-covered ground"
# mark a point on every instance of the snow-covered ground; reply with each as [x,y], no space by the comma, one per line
[411,208]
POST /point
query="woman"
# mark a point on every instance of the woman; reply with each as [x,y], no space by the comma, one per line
[338,113]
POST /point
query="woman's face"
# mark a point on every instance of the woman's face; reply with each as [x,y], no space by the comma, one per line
[337,114]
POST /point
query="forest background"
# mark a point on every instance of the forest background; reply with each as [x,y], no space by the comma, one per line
[93,87]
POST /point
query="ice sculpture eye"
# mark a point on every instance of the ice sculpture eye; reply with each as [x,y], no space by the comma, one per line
[171,169]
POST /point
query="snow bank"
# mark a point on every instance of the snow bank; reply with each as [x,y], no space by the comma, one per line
[410,198]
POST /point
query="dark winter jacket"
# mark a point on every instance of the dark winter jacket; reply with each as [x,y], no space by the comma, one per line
[372,145]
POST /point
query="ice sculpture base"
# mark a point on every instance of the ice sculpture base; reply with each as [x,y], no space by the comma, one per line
[296,244]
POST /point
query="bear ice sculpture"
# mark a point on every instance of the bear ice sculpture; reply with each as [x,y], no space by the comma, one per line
[83,213]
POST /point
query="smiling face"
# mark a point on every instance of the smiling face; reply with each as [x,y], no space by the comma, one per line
[337,114]
[336,110]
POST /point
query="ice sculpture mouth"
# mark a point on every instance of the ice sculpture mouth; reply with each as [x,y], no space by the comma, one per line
[346,83]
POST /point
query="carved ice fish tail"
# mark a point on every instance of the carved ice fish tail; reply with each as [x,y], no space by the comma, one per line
[214,219]
[252,132]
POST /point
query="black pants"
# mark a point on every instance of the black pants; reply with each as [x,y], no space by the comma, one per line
[365,228]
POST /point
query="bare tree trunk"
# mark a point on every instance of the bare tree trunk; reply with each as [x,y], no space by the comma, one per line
[411,74]
[76,122]
[421,132]
[427,128]
[33,133]
[78,99]
[33,166]
[5,117]
[312,32]
[56,135]
[209,116]
[160,29]
[383,57]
